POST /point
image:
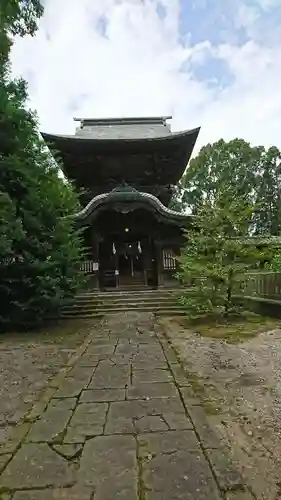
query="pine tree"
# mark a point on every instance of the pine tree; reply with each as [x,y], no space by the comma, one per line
[218,254]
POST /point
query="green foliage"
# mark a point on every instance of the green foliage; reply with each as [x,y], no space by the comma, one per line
[176,200]
[275,263]
[10,227]
[40,249]
[231,164]
[268,193]
[17,17]
[20,17]
[251,172]
[218,253]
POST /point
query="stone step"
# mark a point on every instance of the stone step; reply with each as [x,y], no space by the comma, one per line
[94,307]
[143,290]
[97,304]
[122,307]
[135,300]
[101,314]
[143,293]
[121,301]
[105,310]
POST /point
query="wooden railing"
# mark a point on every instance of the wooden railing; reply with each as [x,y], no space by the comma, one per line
[263,284]
[88,267]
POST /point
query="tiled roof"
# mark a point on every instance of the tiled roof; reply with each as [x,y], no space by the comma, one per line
[123,128]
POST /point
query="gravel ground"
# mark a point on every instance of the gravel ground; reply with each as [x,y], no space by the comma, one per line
[28,360]
[241,387]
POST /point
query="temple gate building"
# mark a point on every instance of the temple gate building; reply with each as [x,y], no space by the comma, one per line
[126,170]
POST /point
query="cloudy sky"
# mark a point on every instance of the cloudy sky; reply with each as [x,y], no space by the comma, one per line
[214,63]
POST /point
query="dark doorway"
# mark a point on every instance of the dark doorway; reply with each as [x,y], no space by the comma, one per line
[127,263]
[130,263]
[127,252]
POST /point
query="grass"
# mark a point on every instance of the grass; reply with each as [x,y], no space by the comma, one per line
[199,385]
[210,407]
[234,329]
[196,383]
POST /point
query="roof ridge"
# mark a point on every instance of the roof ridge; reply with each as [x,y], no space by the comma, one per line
[124,121]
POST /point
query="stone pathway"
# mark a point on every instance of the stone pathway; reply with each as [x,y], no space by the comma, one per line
[120,421]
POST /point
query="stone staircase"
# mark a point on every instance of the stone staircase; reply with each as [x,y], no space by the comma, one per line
[98,304]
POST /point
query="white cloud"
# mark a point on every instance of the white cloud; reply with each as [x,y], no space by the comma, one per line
[137,70]
[246,16]
[268,4]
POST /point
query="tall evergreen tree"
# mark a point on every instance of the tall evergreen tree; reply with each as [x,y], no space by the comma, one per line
[268,193]
[40,249]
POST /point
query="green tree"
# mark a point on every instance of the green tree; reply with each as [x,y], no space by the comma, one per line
[176,200]
[218,254]
[231,164]
[251,172]
[40,249]
[268,193]
[17,17]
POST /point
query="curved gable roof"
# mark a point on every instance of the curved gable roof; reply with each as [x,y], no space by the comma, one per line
[128,196]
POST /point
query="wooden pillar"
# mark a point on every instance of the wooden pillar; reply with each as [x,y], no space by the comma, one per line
[95,257]
[145,261]
[159,263]
[145,277]
[117,275]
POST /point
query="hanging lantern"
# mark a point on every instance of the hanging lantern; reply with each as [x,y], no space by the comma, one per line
[113,248]
[139,247]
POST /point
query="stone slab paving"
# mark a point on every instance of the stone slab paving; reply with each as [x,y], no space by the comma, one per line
[29,360]
[122,423]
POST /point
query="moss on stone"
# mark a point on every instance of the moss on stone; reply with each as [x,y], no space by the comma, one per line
[234,329]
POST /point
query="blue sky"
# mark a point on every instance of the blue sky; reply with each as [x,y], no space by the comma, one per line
[221,21]
[228,22]
[214,63]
